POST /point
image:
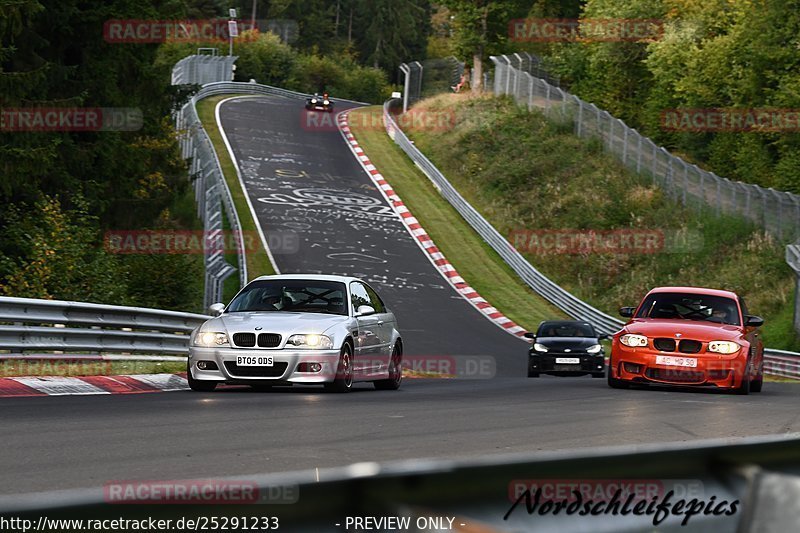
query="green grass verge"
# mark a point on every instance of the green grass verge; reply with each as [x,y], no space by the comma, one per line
[65,368]
[476,262]
[258,263]
[525,172]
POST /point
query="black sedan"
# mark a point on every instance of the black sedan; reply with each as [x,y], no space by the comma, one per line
[319,103]
[566,348]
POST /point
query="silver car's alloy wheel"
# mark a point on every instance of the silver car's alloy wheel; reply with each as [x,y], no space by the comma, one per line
[343,381]
[395,371]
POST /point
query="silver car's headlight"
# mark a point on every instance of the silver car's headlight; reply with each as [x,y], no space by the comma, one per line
[209,339]
[594,348]
[313,342]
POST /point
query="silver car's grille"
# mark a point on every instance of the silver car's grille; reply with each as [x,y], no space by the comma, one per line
[269,340]
[245,340]
[249,340]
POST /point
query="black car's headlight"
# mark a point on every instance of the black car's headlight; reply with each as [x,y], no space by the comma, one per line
[313,100]
[326,102]
[539,348]
[209,339]
[594,349]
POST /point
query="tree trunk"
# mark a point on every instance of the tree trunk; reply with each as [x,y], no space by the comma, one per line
[336,24]
[350,28]
[477,56]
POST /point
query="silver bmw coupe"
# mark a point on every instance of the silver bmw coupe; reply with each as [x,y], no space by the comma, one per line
[309,329]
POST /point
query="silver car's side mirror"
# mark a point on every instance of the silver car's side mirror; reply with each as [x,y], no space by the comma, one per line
[364,310]
[216,309]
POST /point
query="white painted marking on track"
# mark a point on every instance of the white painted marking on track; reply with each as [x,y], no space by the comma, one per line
[60,386]
[165,382]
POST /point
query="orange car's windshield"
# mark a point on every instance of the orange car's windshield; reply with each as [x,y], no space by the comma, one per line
[684,306]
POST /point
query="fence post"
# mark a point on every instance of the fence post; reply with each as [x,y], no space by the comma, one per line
[624,144]
[530,92]
[685,181]
[579,123]
[639,154]
[655,161]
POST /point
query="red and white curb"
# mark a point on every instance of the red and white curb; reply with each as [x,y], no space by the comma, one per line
[421,236]
[86,385]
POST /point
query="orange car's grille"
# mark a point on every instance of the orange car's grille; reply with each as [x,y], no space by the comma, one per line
[675,376]
[690,346]
[665,344]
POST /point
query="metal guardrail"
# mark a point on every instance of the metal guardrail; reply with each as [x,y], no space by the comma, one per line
[540,283]
[212,193]
[53,325]
[202,69]
[778,212]
[793,259]
[759,473]
[777,362]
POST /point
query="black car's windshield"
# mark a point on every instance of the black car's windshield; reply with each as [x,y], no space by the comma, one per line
[682,306]
[306,296]
[566,329]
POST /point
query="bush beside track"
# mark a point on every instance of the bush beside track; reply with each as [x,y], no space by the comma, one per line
[528,173]
[476,262]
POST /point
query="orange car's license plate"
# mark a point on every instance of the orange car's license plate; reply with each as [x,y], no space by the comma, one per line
[669,360]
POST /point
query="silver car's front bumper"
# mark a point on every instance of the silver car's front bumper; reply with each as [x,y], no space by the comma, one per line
[284,367]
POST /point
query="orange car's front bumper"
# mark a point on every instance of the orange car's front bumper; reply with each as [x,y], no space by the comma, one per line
[638,365]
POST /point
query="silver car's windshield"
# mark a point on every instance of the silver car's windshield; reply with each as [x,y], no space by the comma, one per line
[302,296]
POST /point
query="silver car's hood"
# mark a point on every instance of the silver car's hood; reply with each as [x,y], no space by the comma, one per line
[275,322]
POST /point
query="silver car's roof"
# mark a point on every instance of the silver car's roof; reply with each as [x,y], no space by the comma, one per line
[320,277]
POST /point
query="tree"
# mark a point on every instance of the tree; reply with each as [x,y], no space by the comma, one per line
[481,25]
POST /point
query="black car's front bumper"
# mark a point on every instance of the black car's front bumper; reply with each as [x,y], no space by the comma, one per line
[555,363]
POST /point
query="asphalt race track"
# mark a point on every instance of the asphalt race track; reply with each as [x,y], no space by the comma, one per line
[306,181]
[322,214]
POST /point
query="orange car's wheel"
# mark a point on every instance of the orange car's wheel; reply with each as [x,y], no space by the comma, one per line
[744,388]
[758,383]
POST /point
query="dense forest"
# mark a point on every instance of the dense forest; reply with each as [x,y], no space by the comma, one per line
[712,54]
[61,191]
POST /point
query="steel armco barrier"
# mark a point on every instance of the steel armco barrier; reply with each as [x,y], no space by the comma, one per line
[212,193]
[202,69]
[535,279]
[793,259]
[777,362]
[51,325]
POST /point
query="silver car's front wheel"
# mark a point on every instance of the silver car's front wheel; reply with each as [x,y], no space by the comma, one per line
[343,381]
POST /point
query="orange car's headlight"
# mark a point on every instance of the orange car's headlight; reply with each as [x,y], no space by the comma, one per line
[633,340]
[723,347]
